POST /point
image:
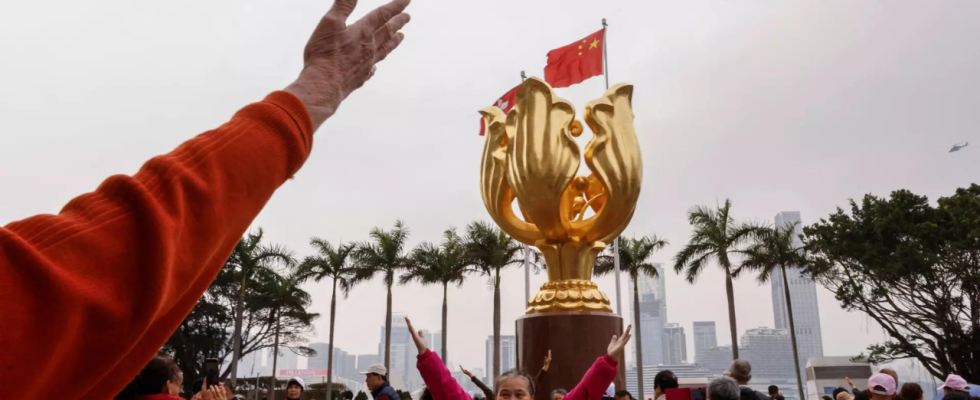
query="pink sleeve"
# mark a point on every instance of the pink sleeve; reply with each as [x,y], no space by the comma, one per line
[437,378]
[596,380]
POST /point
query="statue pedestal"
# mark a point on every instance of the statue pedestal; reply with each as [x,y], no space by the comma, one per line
[575,340]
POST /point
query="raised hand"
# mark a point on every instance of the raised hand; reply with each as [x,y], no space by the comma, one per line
[339,57]
[617,344]
[417,336]
[466,372]
[547,361]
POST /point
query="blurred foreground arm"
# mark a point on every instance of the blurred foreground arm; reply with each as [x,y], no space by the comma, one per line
[88,296]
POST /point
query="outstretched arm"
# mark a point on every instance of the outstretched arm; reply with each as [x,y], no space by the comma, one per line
[595,382]
[95,291]
[487,392]
[437,378]
[544,368]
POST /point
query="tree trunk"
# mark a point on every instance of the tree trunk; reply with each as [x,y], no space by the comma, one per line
[731,312]
[236,353]
[445,316]
[388,327]
[275,359]
[639,339]
[333,317]
[496,325]
[792,333]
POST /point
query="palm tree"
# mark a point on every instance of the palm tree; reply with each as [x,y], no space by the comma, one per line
[490,250]
[286,298]
[249,256]
[716,237]
[775,249]
[385,255]
[333,263]
[444,265]
[633,259]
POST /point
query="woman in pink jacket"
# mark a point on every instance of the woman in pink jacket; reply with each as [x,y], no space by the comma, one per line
[513,384]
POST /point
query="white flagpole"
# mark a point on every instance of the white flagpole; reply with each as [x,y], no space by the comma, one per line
[605,72]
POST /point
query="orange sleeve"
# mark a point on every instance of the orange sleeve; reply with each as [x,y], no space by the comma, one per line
[88,296]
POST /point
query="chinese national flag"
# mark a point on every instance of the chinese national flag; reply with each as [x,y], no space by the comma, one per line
[504,103]
[576,62]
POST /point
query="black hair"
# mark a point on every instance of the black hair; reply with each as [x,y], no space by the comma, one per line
[558,391]
[426,394]
[621,393]
[838,391]
[292,382]
[957,395]
[348,394]
[156,374]
[773,389]
[515,373]
[666,380]
[825,397]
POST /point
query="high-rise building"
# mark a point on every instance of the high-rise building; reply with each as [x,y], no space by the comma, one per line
[676,344]
[769,351]
[365,360]
[705,337]
[653,317]
[403,354]
[343,363]
[435,343]
[350,361]
[508,354]
[806,314]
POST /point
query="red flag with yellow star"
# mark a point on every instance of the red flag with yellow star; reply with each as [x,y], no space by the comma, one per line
[576,62]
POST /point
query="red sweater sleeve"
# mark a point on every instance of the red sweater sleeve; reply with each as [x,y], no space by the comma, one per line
[596,380]
[88,296]
[437,378]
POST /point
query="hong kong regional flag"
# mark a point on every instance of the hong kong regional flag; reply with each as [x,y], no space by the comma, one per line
[504,103]
[576,62]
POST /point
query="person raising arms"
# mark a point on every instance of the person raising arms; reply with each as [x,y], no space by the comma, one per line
[514,384]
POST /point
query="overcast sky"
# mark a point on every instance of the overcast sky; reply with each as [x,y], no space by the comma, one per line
[778,106]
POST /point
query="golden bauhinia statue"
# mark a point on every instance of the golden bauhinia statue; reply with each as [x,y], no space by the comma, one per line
[530,156]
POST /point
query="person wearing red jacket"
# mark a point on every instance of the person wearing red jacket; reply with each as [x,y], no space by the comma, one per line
[514,384]
[89,296]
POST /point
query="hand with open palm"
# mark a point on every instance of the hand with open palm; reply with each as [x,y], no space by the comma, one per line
[420,343]
[617,344]
[339,58]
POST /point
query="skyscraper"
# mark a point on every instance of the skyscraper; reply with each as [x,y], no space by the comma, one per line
[705,338]
[403,355]
[676,344]
[653,316]
[508,354]
[806,315]
[770,352]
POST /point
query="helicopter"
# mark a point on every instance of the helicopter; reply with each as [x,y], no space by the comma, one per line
[958,146]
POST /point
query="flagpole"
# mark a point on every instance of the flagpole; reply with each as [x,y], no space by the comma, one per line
[605,72]
[527,253]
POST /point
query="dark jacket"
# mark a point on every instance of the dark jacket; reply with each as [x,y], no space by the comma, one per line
[385,392]
[747,393]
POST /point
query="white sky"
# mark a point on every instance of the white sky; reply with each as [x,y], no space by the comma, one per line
[776,105]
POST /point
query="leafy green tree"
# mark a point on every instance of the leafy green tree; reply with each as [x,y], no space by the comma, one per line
[634,259]
[444,265]
[207,331]
[914,268]
[778,248]
[333,263]
[287,300]
[384,254]
[490,250]
[716,237]
[249,256]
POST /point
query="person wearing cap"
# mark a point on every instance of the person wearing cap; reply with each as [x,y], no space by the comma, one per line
[955,383]
[866,394]
[376,378]
[881,387]
[295,388]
